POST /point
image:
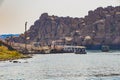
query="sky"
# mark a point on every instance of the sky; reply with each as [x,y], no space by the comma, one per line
[14,13]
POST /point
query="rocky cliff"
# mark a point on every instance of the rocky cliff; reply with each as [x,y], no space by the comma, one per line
[101,26]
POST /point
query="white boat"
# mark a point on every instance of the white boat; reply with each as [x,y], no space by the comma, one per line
[75,49]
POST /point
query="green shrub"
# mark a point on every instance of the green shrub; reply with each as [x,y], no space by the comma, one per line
[6,54]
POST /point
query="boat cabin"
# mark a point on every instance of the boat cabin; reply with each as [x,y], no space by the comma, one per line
[75,49]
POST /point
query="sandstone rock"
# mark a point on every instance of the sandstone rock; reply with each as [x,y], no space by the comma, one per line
[101,24]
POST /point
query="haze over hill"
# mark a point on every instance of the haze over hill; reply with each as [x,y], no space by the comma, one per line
[4,36]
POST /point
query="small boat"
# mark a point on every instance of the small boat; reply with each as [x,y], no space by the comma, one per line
[105,48]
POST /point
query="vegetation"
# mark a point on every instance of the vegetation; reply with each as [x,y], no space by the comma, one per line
[6,54]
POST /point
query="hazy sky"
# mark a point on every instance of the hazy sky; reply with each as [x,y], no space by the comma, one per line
[14,13]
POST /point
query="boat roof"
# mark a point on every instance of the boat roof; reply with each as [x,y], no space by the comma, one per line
[74,47]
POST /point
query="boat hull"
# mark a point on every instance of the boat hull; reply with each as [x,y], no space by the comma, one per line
[80,52]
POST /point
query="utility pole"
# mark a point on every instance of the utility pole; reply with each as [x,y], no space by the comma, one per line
[25,36]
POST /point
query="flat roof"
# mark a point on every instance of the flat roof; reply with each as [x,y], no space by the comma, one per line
[74,47]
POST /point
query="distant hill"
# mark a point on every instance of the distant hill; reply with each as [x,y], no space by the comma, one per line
[4,36]
[100,27]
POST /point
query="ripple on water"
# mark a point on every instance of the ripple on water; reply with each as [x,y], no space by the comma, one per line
[92,66]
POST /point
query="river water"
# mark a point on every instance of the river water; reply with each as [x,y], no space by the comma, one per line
[94,65]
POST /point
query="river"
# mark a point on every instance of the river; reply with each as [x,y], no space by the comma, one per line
[94,65]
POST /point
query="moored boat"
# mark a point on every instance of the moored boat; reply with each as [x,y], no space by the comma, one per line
[75,49]
[105,48]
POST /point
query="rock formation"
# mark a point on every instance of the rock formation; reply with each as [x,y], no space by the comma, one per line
[99,27]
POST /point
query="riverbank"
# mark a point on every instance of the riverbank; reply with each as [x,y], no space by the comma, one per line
[6,54]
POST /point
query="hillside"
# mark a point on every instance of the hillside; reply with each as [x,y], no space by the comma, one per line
[99,27]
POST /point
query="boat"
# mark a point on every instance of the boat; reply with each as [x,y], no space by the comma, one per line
[75,49]
[80,51]
[105,48]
